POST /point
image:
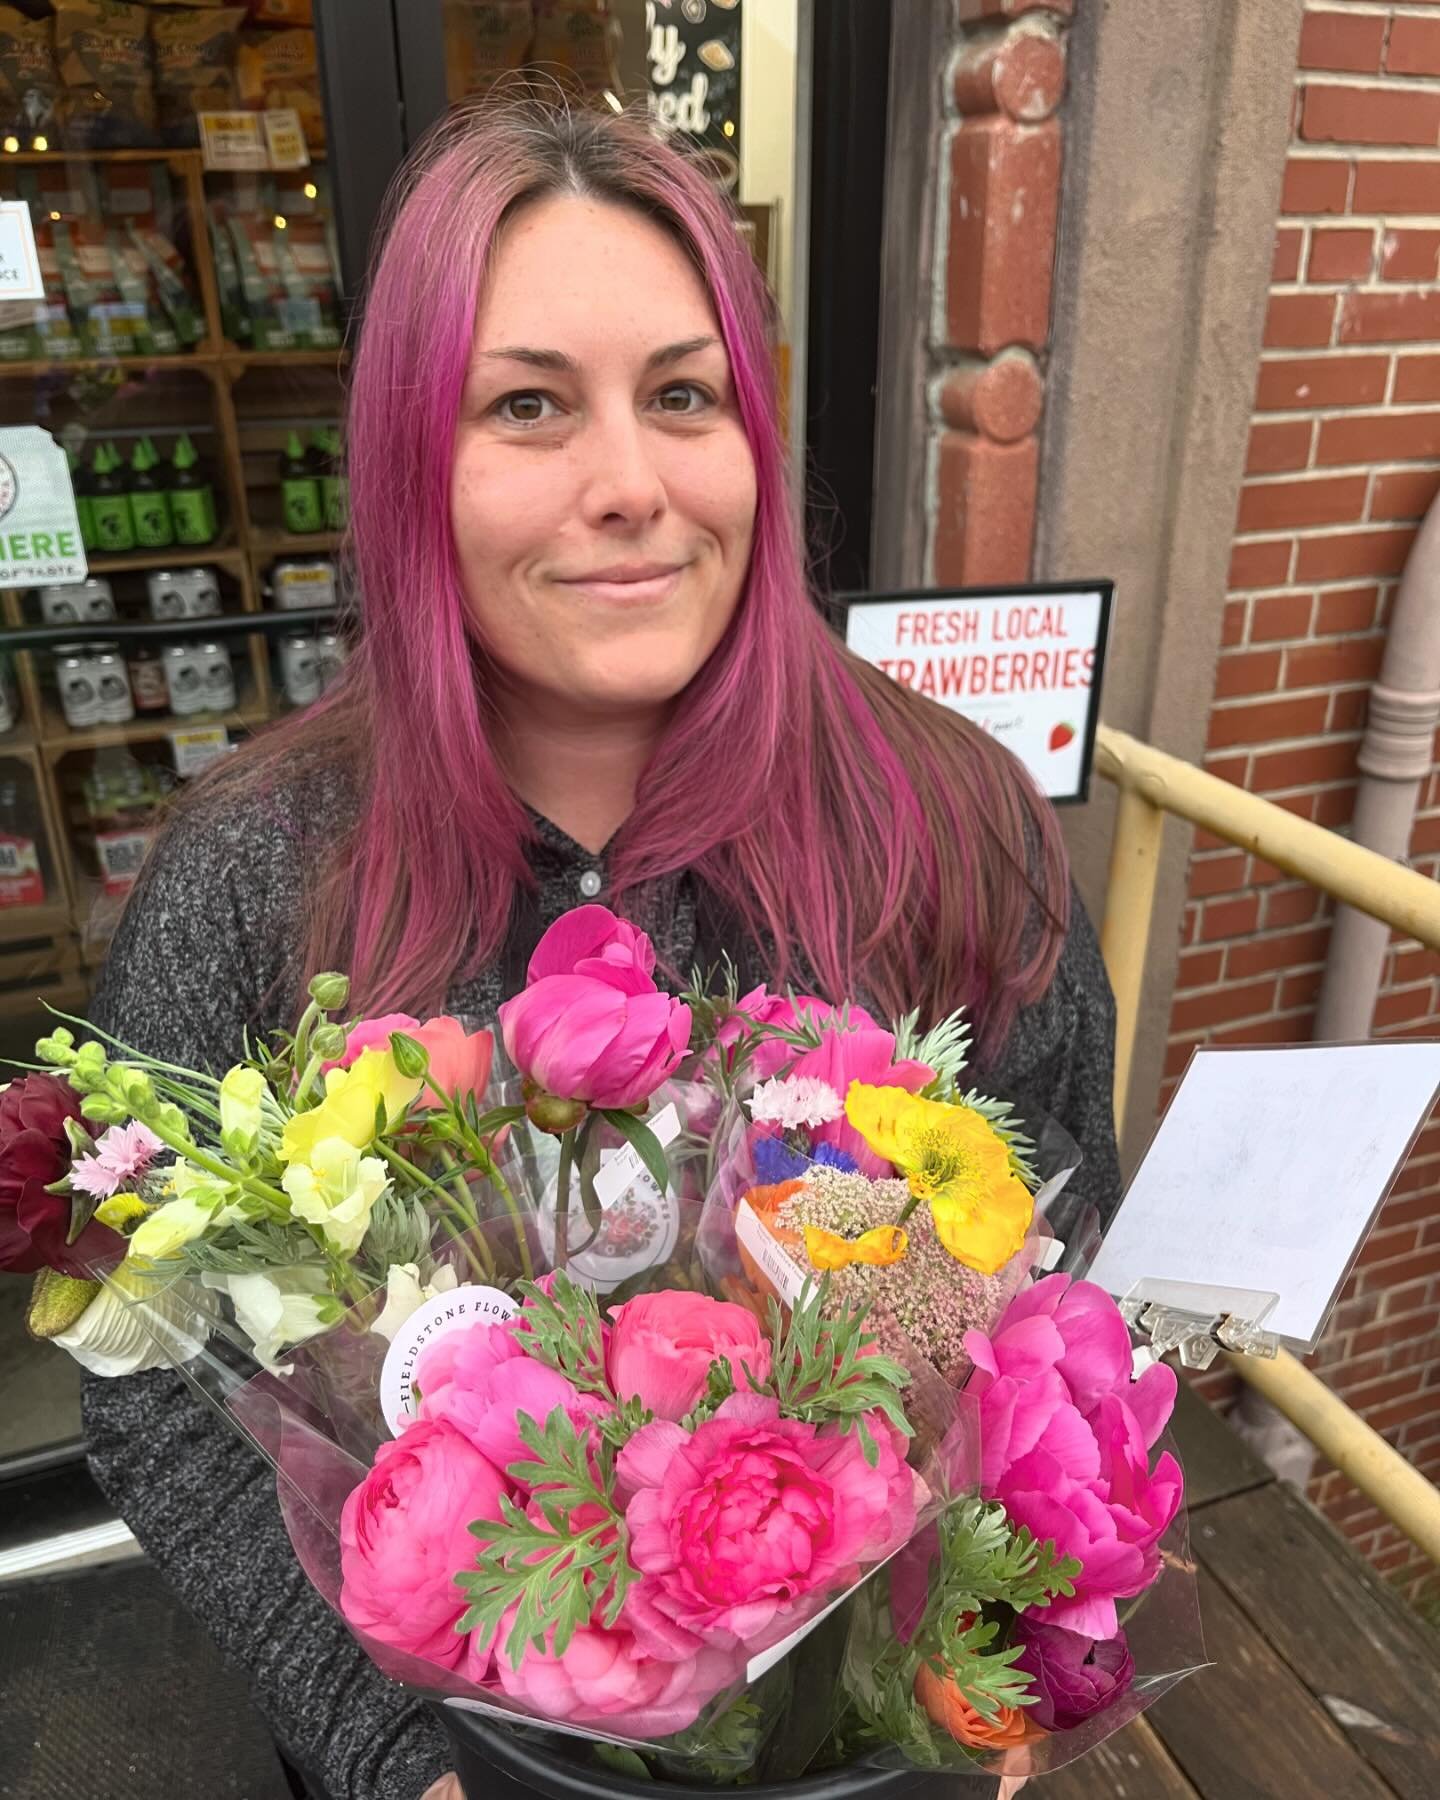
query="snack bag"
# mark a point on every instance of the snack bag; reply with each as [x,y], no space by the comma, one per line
[281,12]
[102,52]
[579,42]
[279,69]
[194,68]
[29,83]
[485,40]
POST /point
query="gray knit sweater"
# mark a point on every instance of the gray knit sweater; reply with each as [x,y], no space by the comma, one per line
[199,956]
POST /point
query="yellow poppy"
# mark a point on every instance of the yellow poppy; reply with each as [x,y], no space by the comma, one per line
[878,1249]
[954,1159]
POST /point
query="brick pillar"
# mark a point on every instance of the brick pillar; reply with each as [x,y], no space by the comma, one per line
[997,251]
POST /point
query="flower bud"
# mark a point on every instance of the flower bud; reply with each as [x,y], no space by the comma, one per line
[328,1043]
[136,1087]
[549,1113]
[105,1110]
[330,991]
[412,1059]
[58,1049]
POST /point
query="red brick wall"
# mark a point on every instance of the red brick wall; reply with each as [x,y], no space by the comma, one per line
[1001,158]
[1344,459]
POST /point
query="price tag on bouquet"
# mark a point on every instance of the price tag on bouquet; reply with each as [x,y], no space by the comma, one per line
[639,1226]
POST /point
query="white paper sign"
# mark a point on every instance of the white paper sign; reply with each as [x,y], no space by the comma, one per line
[786,1277]
[457,1310]
[39,528]
[20,277]
[1023,666]
[625,1167]
[233,140]
[1267,1171]
[195,748]
[285,139]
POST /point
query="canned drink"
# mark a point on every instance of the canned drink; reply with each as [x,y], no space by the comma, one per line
[330,656]
[184,679]
[9,710]
[299,669]
[298,586]
[217,677]
[75,681]
[112,684]
[147,680]
[184,594]
[85,602]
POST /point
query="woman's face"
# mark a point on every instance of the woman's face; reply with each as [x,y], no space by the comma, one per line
[603,491]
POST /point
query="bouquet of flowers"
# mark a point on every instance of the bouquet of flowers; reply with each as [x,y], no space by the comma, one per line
[826,1400]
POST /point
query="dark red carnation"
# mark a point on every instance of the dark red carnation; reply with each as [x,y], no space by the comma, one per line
[34,1153]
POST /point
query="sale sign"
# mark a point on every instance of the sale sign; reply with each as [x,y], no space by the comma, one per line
[1022,663]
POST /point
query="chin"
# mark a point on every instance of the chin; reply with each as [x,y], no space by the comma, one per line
[646,677]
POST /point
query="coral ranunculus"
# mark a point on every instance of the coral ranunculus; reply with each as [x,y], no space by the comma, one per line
[948,1708]
[591,1025]
[459,1060]
[34,1153]
[405,1533]
[662,1347]
[746,1525]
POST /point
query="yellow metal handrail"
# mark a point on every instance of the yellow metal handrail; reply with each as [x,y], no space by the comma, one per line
[1151,785]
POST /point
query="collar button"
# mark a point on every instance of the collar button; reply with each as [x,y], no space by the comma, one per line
[590,884]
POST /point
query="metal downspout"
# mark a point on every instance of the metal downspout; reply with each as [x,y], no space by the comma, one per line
[1396,756]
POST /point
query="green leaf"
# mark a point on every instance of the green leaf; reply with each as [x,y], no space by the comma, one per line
[638,1133]
[821,1368]
[562,1329]
[588,1163]
[622,1761]
[82,1211]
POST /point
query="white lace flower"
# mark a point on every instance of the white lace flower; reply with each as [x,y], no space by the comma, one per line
[802,1101]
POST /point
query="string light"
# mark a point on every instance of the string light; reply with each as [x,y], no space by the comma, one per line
[729,128]
[56,217]
[280,223]
[42,143]
[12,144]
[311,191]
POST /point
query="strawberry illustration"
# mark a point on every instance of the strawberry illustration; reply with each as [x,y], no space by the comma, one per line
[1061,735]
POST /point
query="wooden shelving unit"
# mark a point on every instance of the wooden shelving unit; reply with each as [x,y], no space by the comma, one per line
[50,949]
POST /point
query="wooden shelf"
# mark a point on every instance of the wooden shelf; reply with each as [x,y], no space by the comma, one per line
[225,554]
[61,740]
[18,923]
[82,365]
[20,743]
[239,360]
[268,540]
[59,155]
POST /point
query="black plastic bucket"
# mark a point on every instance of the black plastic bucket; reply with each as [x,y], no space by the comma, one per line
[494,1763]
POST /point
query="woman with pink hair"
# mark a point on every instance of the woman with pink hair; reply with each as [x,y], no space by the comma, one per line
[588,664]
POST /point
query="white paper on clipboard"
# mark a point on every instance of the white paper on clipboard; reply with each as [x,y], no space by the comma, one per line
[1267,1172]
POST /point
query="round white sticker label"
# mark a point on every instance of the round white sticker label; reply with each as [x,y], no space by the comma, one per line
[459,1310]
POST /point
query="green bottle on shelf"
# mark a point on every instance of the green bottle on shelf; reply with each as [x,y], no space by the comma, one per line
[80,485]
[299,489]
[334,488]
[149,503]
[109,503]
[192,499]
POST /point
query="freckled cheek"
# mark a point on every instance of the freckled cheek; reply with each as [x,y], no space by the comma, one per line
[717,493]
[502,513]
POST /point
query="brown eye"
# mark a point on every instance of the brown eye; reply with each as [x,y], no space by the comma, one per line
[527,408]
[682,397]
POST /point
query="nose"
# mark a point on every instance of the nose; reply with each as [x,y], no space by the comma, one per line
[624,487]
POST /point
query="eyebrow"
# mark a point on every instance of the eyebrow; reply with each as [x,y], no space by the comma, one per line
[558,362]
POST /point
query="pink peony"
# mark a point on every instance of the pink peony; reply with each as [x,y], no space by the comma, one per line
[662,1346]
[616,1680]
[749,1524]
[488,1413]
[866,1055]
[759,1007]
[404,1536]
[591,1025]
[459,1059]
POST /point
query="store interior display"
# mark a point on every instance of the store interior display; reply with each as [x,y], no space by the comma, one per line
[111,75]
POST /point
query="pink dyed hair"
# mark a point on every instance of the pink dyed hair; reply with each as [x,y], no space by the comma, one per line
[872,838]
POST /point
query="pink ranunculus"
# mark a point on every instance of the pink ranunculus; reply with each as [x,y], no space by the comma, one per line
[616,1680]
[867,1055]
[489,1414]
[459,1059]
[1074,1677]
[760,1007]
[465,1359]
[662,1347]
[747,1525]
[404,1536]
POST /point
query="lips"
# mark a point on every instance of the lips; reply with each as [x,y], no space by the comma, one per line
[630,584]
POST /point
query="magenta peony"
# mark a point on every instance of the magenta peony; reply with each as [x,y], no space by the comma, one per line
[662,1345]
[748,1525]
[867,1055]
[759,1007]
[617,1681]
[1074,1677]
[591,1025]
[404,1535]
[34,1153]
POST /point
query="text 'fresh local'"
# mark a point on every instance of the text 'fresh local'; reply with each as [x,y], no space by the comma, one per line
[1052,664]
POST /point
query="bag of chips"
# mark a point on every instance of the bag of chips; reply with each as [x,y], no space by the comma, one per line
[578,42]
[102,52]
[281,12]
[194,68]
[29,84]
[279,68]
[484,41]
